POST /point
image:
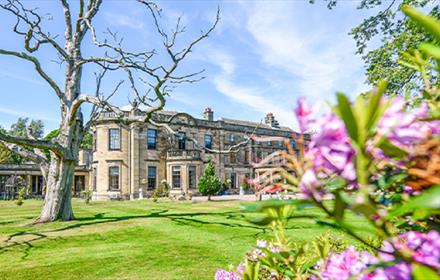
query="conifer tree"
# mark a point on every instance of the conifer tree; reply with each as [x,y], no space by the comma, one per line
[209,183]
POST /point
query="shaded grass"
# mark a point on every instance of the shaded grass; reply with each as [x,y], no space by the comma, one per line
[133,240]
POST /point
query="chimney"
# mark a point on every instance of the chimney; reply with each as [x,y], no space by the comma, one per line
[208,114]
[270,120]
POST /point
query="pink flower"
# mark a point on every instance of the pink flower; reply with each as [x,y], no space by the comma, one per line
[304,114]
[405,128]
[331,148]
[261,243]
[426,247]
[226,275]
[308,183]
[346,264]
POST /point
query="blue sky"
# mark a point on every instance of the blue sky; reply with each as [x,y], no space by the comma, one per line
[260,59]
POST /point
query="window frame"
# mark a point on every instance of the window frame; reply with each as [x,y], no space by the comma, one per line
[110,139]
[206,137]
[233,179]
[110,186]
[181,141]
[194,169]
[151,167]
[173,176]
[152,147]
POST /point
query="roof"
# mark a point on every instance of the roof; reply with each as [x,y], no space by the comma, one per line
[254,124]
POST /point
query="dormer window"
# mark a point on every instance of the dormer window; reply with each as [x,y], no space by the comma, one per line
[232,137]
[182,139]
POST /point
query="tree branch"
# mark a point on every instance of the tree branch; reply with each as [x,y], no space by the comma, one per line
[39,70]
[25,153]
[34,143]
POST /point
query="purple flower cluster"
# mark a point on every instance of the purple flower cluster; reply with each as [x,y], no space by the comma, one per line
[330,149]
[404,128]
[226,275]
[425,248]
[424,245]
[346,264]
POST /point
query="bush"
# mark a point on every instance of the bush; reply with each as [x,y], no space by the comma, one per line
[87,194]
[209,183]
[21,196]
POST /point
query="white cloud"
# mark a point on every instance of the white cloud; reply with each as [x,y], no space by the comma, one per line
[17,113]
[123,20]
[250,97]
[321,61]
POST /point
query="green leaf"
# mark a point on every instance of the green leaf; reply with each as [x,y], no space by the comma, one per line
[391,150]
[375,111]
[429,23]
[340,206]
[260,220]
[421,272]
[346,114]
[431,50]
[409,65]
[429,199]
[335,184]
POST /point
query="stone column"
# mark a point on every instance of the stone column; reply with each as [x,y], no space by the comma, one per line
[134,160]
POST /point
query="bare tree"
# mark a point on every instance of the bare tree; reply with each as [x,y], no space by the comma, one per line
[141,73]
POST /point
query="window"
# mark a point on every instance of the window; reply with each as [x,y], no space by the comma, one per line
[152,171]
[232,137]
[181,140]
[259,156]
[293,144]
[176,177]
[151,138]
[95,139]
[114,139]
[192,177]
[280,143]
[269,143]
[246,156]
[208,141]
[233,180]
[233,158]
[113,174]
[95,178]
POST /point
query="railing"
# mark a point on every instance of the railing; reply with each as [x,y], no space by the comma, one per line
[183,155]
[111,115]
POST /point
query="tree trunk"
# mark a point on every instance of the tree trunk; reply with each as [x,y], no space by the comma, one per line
[57,201]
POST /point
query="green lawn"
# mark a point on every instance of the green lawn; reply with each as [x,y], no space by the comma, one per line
[131,240]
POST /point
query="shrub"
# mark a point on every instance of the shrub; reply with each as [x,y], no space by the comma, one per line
[209,182]
[21,196]
[87,195]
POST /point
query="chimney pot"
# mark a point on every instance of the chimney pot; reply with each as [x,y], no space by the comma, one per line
[208,114]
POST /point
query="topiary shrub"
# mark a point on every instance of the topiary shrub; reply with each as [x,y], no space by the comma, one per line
[87,194]
[209,183]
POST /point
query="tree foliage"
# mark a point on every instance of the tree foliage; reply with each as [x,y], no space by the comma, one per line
[21,128]
[396,35]
[209,183]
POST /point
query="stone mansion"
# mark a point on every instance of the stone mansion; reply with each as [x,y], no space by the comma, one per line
[131,161]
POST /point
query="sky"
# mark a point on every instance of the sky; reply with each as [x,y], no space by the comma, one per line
[262,56]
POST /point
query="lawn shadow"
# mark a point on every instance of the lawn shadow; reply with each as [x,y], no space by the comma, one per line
[27,243]
[179,218]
